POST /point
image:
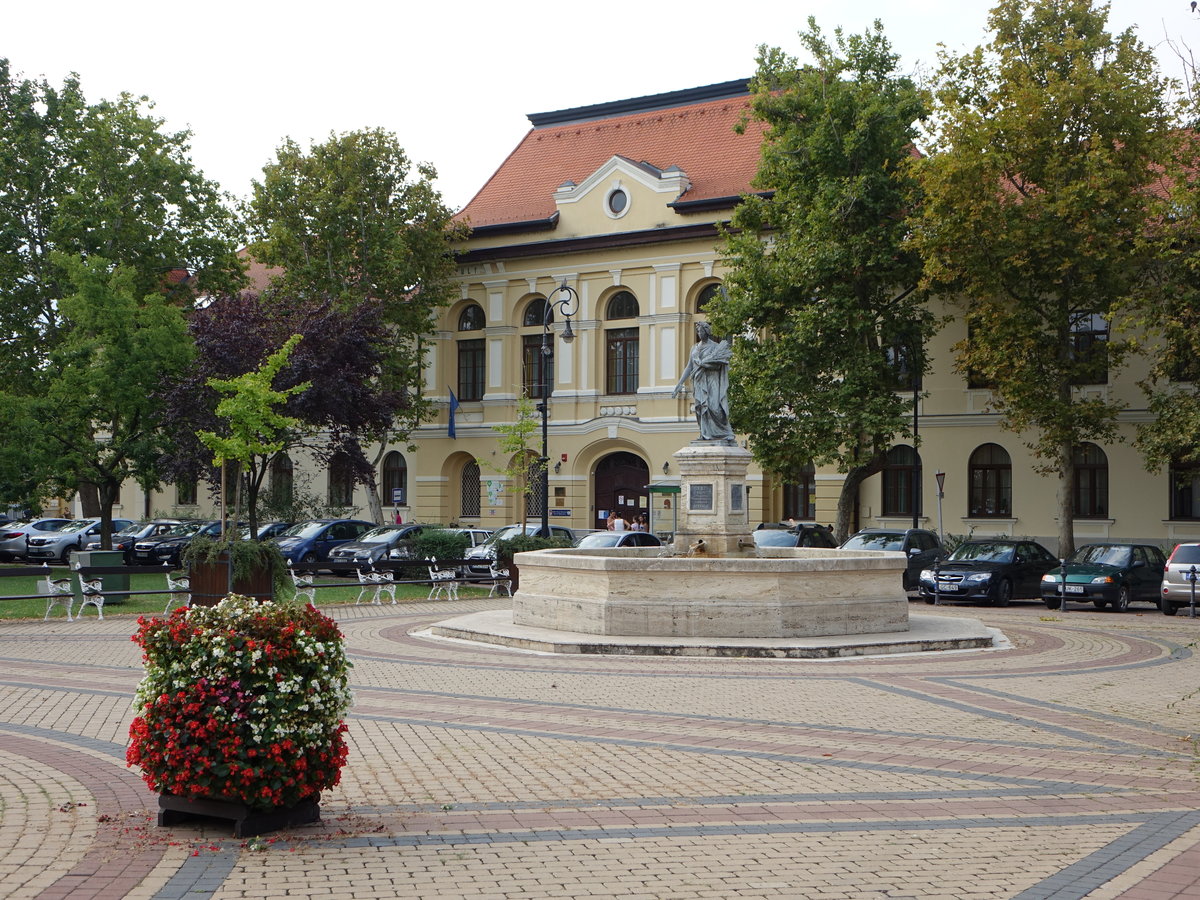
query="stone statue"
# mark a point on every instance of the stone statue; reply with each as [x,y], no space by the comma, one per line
[708,367]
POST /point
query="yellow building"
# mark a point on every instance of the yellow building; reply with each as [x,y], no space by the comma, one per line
[620,203]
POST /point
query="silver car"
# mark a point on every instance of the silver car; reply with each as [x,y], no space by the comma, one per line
[1180,582]
[72,537]
[15,535]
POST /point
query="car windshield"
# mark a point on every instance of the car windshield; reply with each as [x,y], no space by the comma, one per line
[81,525]
[1186,554]
[505,533]
[1099,554]
[876,540]
[599,539]
[983,552]
[183,529]
[379,535]
[305,529]
[131,528]
[771,538]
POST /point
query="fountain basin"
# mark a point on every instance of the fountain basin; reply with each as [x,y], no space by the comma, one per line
[780,593]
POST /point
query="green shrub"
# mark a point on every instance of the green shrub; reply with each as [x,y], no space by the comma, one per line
[525,542]
[441,543]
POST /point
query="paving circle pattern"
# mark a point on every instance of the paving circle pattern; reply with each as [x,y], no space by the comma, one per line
[1064,765]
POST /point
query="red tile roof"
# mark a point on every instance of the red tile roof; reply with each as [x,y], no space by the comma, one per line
[697,137]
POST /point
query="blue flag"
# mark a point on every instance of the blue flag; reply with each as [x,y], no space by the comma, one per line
[453,410]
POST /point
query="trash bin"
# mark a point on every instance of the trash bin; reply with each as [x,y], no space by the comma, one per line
[113,584]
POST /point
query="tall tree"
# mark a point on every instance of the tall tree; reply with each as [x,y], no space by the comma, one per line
[100,422]
[338,358]
[821,289]
[83,180]
[354,220]
[1041,199]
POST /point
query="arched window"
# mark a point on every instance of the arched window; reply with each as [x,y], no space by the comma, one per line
[535,313]
[471,318]
[470,354]
[1091,482]
[469,490]
[535,497]
[800,498]
[395,479]
[282,479]
[622,346]
[534,369]
[341,482]
[990,477]
[901,482]
[707,293]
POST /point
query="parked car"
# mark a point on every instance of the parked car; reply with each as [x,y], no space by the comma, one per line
[14,537]
[126,539]
[268,530]
[312,541]
[1112,575]
[994,571]
[70,538]
[802,535]
[378,543]
[1177,583]
[144,549]
[923,548]
[487,550]
[611,540]
[475,536]
[169,550]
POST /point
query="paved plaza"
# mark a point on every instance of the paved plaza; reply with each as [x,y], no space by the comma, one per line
[1064,765]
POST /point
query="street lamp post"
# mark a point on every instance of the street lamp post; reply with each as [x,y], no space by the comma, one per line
[568,306]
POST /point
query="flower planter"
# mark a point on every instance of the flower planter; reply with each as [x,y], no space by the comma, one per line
[213,580]
[247,821]
[240,715]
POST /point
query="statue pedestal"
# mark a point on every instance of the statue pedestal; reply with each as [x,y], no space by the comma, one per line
[713,505]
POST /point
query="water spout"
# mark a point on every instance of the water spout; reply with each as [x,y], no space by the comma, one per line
[698,549]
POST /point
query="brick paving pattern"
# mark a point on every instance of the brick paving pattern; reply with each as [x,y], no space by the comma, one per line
[1063,766]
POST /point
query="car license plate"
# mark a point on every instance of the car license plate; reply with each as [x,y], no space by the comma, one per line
[1074,588]
[948,586]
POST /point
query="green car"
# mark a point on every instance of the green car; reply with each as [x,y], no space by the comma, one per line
[1112,575]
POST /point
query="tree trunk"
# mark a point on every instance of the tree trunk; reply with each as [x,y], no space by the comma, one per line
[107,496]
[89,500]
[848,501]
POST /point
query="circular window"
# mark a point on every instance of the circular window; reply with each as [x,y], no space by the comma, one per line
[618,202]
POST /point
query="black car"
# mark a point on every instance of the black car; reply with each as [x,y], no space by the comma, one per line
[381,542]
[144,550]
[1112,575]
[127,538]
[801,535]
[993,571]
[923,548]
[169,552]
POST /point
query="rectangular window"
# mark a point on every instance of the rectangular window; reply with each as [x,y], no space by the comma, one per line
[185,493]
[533,367]
[621,361]
[470,369]
[800,499]
[1089,349]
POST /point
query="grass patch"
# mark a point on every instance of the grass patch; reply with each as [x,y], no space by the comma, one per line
[153,604]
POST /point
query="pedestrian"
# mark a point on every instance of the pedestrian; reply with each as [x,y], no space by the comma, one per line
[619,523]
[612,517]
[399,518]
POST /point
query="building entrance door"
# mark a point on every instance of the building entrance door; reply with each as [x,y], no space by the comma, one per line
[620,485]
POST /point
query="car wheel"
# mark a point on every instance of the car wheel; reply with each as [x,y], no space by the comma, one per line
[66,555]
[1004,593]
[1052,602]
[1123,597]
[1099,604]
[308,558]
[1168,608]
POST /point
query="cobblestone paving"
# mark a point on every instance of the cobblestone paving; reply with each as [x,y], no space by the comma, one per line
[1065,766]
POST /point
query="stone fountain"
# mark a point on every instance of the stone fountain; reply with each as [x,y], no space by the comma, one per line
[713,592]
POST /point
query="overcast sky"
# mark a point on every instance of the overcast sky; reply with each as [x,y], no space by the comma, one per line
[454,81]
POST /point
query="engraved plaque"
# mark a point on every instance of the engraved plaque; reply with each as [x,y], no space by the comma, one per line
[700,497]
[737,497]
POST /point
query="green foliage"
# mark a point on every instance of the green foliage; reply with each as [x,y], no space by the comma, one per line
[522,543]
[1042,213]
[256,428]
[351,219]
[820,287]
[440,543]
[523,467]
